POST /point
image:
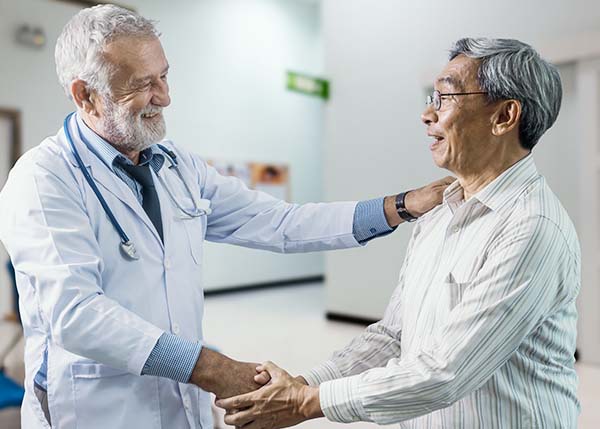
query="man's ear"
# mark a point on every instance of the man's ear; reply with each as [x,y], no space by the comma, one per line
[506,117]
[83,97]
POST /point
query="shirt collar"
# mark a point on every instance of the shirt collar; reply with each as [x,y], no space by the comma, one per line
[109,155]
[501,190]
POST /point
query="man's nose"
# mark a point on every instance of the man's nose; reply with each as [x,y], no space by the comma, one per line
[429,115]
[161,94]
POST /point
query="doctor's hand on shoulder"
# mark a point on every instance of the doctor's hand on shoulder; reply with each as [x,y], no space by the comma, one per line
[411,205]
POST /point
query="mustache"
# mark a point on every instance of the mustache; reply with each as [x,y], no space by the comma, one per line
[151,110]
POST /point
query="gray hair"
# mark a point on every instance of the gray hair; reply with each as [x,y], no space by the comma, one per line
[512,70]
[80,47]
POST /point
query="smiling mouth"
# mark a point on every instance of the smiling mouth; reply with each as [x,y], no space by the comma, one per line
[437,140]
[150,115]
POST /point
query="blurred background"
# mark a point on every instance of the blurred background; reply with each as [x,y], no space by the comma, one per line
[325,96]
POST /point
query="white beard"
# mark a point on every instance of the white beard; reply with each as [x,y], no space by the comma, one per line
[129,132]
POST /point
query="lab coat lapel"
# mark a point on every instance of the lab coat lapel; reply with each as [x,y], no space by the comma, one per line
[106,179]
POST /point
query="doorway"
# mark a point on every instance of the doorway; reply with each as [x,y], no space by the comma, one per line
[10,150]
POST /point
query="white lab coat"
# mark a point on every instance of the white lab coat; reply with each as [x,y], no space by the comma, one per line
[98,314]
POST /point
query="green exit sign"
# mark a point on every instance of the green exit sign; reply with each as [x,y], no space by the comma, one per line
[307,85]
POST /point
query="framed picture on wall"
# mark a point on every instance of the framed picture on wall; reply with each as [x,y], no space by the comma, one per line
[274,179]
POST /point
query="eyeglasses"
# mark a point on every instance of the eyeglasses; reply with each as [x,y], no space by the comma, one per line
[437,96]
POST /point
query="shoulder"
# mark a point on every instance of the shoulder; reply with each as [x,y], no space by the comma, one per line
[540,210]
[48,158]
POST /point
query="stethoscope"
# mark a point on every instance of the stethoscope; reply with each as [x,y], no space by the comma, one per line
[126,246]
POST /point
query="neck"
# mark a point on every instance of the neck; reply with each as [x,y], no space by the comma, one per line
[93,123]
[474,180]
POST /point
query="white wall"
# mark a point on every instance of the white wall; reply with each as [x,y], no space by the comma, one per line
[379,56]
[228,61]
[28,82]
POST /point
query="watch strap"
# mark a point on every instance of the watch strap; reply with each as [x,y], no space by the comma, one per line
[401,207]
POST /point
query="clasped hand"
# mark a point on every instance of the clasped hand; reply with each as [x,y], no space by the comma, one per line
[284,401]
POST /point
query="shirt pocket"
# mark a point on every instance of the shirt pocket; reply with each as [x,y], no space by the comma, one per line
[455,290]
[106,397]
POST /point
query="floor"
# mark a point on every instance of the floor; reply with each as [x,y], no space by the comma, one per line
[287,326]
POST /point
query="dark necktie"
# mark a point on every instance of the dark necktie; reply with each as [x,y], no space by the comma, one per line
[150,203]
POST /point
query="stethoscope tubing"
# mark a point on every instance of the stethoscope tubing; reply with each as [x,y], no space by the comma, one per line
[123,236]
[126,244]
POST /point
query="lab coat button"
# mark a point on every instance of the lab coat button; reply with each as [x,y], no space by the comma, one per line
[167,263]
[175,328]
[455,229]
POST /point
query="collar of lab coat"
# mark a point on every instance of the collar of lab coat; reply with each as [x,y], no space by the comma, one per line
[104,176]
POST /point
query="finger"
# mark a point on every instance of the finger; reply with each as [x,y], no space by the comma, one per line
[236,402]
[448,180]
[272,369]
[263,378]
[240,418]
[256,424]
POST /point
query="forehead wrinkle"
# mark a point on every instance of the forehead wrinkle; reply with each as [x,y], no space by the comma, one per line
[452,81]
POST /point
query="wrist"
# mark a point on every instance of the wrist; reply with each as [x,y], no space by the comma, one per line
[403,212]
[310,406]
[207,369]
[391,214]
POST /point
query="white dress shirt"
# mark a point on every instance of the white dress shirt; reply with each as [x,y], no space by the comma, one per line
[481,330]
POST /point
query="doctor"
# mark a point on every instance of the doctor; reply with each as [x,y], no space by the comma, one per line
[105,228]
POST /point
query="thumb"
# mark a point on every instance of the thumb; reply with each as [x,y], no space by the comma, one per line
[263,378]
[272,369]
[448,180]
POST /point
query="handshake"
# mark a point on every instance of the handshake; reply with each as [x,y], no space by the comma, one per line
[256,396]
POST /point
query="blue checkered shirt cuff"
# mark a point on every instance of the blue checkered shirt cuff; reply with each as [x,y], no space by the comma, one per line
[370,221]
[172,357]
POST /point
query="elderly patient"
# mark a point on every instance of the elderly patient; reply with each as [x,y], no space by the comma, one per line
[480,331]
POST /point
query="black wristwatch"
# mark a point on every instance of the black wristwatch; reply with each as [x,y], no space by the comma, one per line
[401,208]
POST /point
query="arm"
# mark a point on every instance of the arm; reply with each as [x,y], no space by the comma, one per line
[379,343]
[370,221]
[45,212]
[528,274]
[257,220]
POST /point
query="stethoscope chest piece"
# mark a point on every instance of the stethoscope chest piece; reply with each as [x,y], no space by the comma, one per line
[128,250]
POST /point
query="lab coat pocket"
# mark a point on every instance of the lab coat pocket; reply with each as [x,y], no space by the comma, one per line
[106,397]
[196,230]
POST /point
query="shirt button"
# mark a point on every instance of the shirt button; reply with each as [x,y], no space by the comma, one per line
[175,328]
[186,404]
[373,230]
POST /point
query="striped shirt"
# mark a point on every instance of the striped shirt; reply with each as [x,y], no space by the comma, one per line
[480,332]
